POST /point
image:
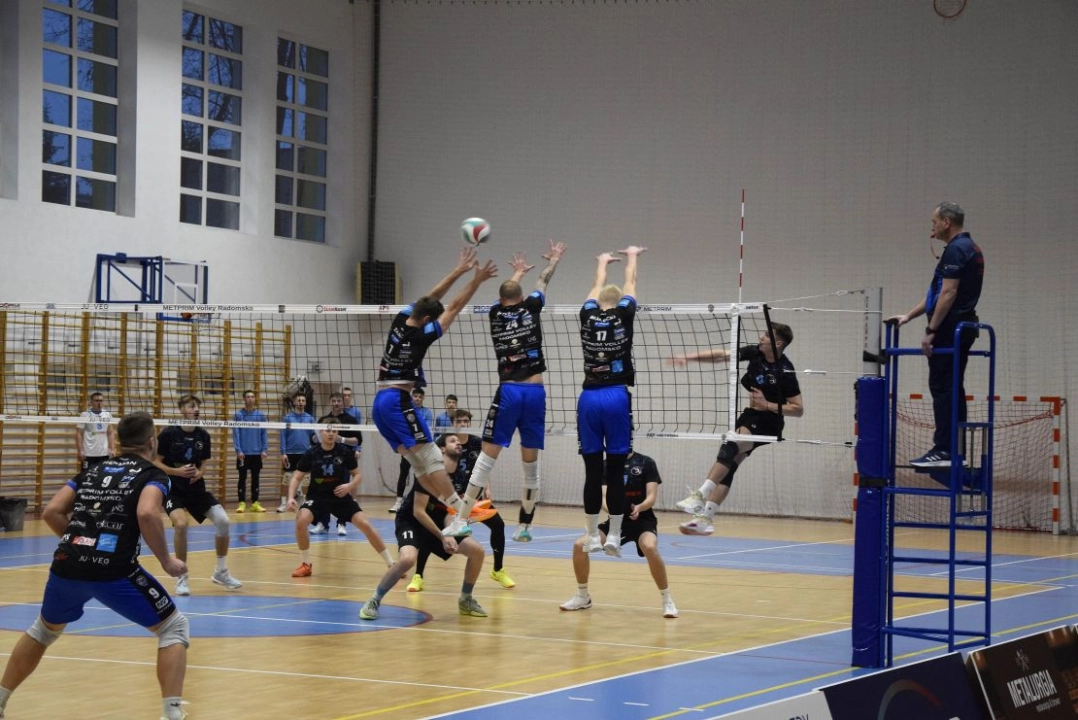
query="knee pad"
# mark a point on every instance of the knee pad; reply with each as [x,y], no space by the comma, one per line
[42,634]
[175,630]
[531,475]
[727,454]
[426,459]
[219,518]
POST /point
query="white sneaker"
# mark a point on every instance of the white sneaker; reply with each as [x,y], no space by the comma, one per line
[396,505]
[318,529]
[342,531]
[523,534]
[458,528]
[222,577]
[576,602]
[669,610]
[182,588]
[592,543]
[699,525]
[612,546]
[282,507]
[694,504]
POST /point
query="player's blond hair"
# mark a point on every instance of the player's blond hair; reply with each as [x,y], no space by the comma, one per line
[609,296]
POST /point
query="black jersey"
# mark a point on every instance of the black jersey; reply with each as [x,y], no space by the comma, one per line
[607,339]
[101,541]
[777,381]
[328,469]
[639,471]
[435,508]
[470,454]
[181,447]
[406,347]
[518,337]
[342,419]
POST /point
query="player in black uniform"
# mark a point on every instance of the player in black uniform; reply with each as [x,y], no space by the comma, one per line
[774,394]
[520,401]
[338,415]
[604,414]
[335,477]
[99,516]
[640,526]
[413,331]
[471,446]
[181,451]
[418,524]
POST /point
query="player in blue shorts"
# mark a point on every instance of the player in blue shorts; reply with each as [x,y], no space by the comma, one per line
[520,401]
[99,516]
[604,415]
[413,331]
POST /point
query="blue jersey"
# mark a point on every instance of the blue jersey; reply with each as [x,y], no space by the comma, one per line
[961,260]
[250,441]
[406,346]
[295,442]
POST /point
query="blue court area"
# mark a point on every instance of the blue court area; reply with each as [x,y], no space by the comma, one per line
[1033,593]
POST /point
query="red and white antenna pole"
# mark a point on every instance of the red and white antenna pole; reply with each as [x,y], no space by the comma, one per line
[741,253]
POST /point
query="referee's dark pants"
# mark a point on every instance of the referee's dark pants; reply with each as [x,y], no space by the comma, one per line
[941,380]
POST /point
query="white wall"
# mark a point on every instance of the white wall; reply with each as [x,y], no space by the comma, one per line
[52,248]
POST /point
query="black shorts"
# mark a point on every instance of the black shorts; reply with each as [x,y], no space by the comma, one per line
[631,530]
[343,508]
[293,461]
[90,460]
[758,422]
[411,533]
[197,501]
[249,462]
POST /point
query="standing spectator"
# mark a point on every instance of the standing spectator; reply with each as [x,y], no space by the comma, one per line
[181,451]
[445,420]
[951,299]
[350,407]
[252,446]
[294,442]
[100,516]
[95,437]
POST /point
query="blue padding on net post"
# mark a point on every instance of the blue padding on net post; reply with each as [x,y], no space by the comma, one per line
[868,555]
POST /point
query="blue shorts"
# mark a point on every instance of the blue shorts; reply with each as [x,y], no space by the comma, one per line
[397,420]
[517,406]
[137,597]
[604,420]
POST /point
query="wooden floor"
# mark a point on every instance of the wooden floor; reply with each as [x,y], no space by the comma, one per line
[287,648]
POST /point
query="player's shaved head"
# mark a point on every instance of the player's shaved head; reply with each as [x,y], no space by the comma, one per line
[510,290]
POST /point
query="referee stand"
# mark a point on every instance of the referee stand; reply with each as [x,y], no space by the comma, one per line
[965,489]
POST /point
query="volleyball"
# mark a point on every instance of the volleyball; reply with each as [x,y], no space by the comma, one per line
[476,231]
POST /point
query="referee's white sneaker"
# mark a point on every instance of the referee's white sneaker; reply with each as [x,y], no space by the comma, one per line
[694,504]
[699,525]
[576,602]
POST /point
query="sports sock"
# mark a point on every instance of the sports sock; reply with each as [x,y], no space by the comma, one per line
[592,524]
[172,708]
[582,590]
[466,590]
[4,695]
[527,500]
[707,488]
[615,528]
[666,594]
[221,564]
[305,556]
[710,509]
[387,557]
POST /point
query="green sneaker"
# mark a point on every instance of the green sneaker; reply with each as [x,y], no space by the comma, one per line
[370,610]
[470,606]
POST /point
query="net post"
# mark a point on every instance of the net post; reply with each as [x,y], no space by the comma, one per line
[873,323]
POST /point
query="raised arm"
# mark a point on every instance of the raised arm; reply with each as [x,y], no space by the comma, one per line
[520,266]
[712,355]
[464,264]
[600,274]
[482,274]
[632,253]
[557,249]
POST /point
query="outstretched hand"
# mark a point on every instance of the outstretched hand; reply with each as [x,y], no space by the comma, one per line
[486,272]
[467,259]
[633,250]
[556,250]
[607,258]
[677,360]
[520,264]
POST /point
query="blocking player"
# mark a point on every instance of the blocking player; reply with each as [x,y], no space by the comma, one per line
[413,331]
[419,527]
[519,404]
[181,452]
[640,526]
[99,516]
[335,478]
[774,395]
[604,409]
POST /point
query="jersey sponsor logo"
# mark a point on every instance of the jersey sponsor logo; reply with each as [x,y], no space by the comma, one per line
[84,541]
[108,542]
[110,525]
[163,602]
